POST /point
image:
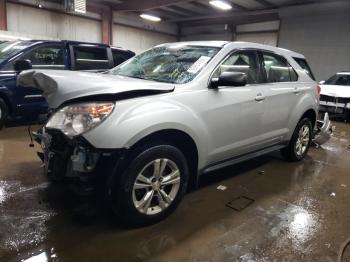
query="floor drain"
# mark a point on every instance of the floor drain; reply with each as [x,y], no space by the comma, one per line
[240,203]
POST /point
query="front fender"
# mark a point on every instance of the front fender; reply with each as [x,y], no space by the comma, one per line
[135,119]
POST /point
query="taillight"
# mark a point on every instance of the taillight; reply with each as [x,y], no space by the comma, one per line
[318,91]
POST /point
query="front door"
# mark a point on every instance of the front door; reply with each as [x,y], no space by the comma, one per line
[234,115]
[30,100]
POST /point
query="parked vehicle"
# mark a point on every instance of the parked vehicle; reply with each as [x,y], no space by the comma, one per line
[19,103]
[151,126]
[335,95]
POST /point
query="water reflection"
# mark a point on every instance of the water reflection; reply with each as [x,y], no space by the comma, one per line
[299,224]
[42,257]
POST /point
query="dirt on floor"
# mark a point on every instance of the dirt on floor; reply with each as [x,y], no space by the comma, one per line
[290,212]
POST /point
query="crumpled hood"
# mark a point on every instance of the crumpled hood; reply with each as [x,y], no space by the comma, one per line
[59,86]
[335,90]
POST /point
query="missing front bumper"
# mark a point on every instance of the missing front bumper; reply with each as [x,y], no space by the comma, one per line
[66,158]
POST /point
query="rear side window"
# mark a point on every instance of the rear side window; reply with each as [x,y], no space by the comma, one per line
[304,65]
[90,58]
[120,56]
[278,69]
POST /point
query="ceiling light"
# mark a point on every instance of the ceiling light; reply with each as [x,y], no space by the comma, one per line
[150,17]
[221,4]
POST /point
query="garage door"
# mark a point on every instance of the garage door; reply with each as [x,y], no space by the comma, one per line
[269,38]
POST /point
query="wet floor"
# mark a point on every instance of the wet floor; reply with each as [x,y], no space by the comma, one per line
[298,212]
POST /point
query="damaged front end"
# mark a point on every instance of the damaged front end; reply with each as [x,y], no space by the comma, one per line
[74,158]
[337,107]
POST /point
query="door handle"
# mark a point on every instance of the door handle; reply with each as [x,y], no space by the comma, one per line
[259,97]
[296,90]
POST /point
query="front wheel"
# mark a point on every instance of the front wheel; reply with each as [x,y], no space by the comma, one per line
[3,113]
[300,142]
[151,187]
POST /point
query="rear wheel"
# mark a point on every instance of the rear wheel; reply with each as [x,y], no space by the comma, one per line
[3,113]
[151,187]
[300,142]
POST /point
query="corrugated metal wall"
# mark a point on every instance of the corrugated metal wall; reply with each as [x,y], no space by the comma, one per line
[138,40]
[33,21]
[324,39]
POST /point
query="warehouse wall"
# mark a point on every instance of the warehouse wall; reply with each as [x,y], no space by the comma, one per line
[138,40]
[263,32]
[33,21]
[138,35]
[323,38]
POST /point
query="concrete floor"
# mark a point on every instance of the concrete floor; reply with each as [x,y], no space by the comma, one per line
[300,212]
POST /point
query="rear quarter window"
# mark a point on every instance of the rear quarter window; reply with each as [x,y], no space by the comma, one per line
[304,65]
[90,58]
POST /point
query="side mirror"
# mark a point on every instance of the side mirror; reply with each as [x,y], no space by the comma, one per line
[230,79]
[21,65]
[322,82]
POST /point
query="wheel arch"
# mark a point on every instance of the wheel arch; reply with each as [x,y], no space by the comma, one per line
[7,102]
[179,139]
[310,114]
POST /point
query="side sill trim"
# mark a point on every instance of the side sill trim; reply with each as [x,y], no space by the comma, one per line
[241,158]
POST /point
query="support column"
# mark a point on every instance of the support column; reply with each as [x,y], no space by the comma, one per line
[3,15]
[106,24]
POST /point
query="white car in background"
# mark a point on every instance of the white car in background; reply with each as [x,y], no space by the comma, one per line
[335,95]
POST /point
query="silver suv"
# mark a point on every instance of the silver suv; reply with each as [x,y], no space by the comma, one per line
[151,126]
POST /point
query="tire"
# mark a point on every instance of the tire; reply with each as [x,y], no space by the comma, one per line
[127,199]
[3,113]
[299,144]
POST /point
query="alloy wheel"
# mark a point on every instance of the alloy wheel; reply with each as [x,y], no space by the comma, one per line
[302,141]
[156,186]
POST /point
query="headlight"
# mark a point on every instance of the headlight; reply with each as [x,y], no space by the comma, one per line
[76,119]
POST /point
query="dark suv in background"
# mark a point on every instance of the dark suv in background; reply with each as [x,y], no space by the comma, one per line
[27,104]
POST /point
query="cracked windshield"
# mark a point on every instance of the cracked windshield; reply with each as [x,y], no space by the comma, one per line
[177,64]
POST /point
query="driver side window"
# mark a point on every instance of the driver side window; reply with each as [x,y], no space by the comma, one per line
[47,57]
[244,62]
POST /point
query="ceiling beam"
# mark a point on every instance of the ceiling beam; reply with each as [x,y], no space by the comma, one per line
[223,15]
[136,5]
[237,20]
[265,3]
[184,10]
[237,6]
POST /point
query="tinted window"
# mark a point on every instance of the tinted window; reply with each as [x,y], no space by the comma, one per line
[278,69]
[242,61]
[120,56]
[46,56]
[304,65]
[90,58]
[342,79]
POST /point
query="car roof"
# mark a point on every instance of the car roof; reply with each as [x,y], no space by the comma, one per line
[239,44]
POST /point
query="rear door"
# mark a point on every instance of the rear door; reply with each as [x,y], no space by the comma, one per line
[282,91]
